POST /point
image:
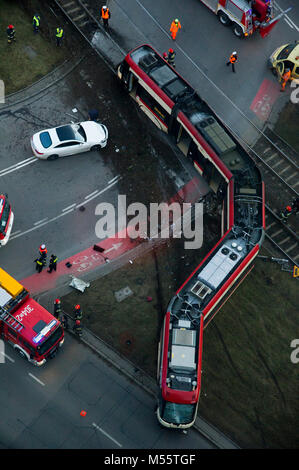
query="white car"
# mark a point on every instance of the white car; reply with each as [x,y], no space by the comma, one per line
[69,139]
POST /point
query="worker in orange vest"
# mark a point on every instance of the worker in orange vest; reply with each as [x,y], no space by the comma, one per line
[232,60]
[105,15]
[175,26]
[285,78]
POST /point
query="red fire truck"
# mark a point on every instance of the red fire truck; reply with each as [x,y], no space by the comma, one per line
[6,219]
[31,330]
[245,16]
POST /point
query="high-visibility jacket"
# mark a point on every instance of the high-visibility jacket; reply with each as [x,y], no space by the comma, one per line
[57,310]
[105,14]
[175,27]
[286,76]
[10,32]
[171,56]
[59,32]
[233,59]
[36,20]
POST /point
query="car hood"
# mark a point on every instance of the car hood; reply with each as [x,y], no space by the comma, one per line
[94,131]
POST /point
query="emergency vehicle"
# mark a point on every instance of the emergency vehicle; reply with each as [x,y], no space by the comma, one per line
[245,16]
[285,57]
[6,219]
[31,330]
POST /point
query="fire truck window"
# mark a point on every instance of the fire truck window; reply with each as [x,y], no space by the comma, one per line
[297,71]
[28,346]
[5,215]
[12,332]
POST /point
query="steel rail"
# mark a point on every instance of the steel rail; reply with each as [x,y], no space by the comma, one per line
[283,230]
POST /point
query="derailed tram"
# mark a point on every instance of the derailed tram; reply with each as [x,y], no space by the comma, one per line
[173,105]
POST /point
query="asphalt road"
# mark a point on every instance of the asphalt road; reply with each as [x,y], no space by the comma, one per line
[41,406]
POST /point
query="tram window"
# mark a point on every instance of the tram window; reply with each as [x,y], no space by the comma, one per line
[152,104]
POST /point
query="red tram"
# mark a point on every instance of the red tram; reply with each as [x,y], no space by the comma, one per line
[174,106]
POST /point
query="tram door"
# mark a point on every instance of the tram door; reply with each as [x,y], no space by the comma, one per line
[127,77]
[183,139]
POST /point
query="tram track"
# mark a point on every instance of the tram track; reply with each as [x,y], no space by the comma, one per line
[278,158]
[270,151]
[282,236]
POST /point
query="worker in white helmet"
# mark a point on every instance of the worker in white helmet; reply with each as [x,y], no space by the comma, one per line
[232,60]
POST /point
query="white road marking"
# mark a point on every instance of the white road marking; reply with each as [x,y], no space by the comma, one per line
[40,221]
[7,356]
[286,16]
[66,211]
[17,166]
[35,378]
[69,207]
[106,434]
[287,21]
[91,194]
[98,193]
[113,179]
[15,233]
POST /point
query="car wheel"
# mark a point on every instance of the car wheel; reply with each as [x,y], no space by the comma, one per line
[223,18]
[95,148]
[52,157]
[21,353]
[238,31]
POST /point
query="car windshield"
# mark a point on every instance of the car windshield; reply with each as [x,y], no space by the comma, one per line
[284,54]
[50,341]
[177,413]
[4,215]
[45,139]
[71,132]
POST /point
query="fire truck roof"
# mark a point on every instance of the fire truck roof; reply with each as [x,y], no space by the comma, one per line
[37,321]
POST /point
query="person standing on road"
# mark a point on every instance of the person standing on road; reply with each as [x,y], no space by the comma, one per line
[78,312]
[11,34]
[59,36]
[93,115]
[232,60]
[165,56]
[43,253]
[35,23]
[39,265]
[52,263]
[57,308]
[174,27]
[78,328]
[64,322]
[171,56]
[285,78]
[105,15]
[285,214]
